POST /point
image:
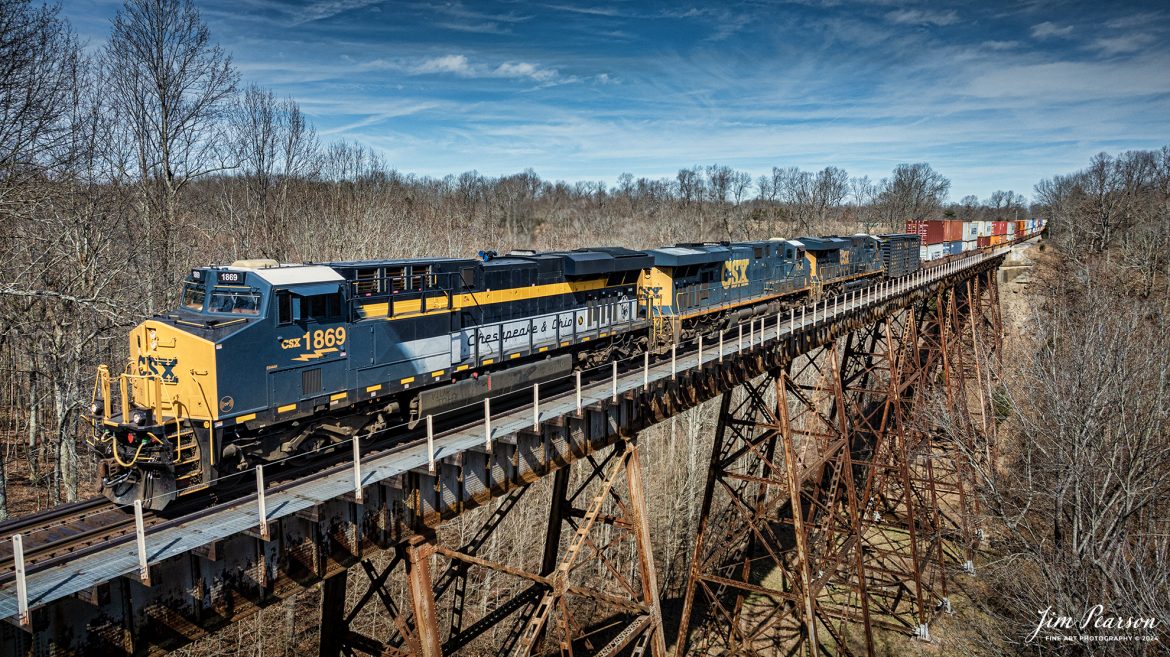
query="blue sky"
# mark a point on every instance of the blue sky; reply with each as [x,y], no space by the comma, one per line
[995,95]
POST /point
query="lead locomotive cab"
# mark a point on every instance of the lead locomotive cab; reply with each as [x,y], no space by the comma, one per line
[201,369]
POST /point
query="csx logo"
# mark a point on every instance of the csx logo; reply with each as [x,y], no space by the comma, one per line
[162,367]
[735,273]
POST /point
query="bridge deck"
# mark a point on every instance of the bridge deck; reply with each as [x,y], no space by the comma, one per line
[119,557]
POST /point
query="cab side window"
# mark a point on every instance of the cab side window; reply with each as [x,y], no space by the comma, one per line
[284,308]
[321,308]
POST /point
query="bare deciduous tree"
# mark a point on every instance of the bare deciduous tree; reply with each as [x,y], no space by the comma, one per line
[913,192]
[38,55]
[171,85]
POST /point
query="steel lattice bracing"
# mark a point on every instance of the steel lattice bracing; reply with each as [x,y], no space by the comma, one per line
[557,606]
[833,505]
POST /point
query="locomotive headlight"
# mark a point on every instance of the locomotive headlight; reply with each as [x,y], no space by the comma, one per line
[96,408]
[153,337]
[138,418]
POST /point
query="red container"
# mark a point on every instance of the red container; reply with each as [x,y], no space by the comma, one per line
[999,228]
[930,232]
[984,240]
[952,231]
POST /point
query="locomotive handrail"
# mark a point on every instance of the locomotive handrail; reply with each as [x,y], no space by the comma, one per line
[153,394]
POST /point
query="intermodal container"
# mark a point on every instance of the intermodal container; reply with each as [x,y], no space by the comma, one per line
[931,232]
[952,231]
[971,244]
[970,230]
[953,248]
[999,228]
[996,240]
[984,228]
[1011,229]
[1021,227]
[935,251]
[984,241]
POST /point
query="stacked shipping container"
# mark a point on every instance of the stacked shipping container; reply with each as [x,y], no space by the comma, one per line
[970,235]
[941,238]
[950,237]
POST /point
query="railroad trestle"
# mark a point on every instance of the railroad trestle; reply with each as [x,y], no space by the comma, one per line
[839,500]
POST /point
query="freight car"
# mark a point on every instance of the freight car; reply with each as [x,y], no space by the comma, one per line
[260,360]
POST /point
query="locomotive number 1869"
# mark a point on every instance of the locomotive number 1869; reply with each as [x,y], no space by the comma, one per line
[334,337]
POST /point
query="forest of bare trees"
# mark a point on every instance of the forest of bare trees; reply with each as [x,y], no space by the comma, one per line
[126,163]
[1080,503]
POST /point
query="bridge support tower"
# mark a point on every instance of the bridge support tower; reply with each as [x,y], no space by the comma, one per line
[840,495]
[597,562]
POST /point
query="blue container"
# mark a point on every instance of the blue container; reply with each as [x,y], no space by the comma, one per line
[953,248]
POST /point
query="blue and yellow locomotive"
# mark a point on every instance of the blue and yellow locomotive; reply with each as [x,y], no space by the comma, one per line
[261,360]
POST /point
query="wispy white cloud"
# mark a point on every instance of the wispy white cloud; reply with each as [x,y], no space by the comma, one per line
[1125,43]
[466,16]
[386,111]
[462,66]
[486,27]
[1074,81]
[723,22]
[591,10]
[457,64]
[1001,45]
[329,8]
[1048,29]
[923,17]
[1144,19]
[524,70]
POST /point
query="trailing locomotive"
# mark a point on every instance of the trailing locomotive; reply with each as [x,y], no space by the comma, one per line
[262,360]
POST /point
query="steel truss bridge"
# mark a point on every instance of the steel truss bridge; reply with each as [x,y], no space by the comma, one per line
[839,500]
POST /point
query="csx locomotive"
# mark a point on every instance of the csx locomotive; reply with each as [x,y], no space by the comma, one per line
[260,360]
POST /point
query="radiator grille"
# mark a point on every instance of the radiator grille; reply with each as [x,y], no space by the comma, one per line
[311,381]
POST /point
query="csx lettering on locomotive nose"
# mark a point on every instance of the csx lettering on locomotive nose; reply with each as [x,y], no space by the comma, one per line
[162,367]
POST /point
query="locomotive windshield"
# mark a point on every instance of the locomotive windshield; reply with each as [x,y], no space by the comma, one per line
[193,296]
[234,300]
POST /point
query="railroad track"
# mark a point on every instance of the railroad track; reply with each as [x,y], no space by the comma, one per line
[55,535]
[59,530]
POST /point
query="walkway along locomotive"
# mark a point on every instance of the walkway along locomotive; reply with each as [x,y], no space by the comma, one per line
[261,361]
